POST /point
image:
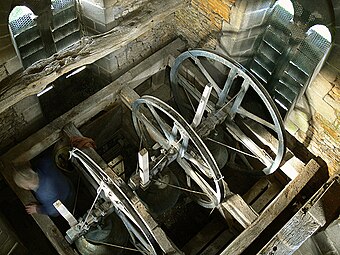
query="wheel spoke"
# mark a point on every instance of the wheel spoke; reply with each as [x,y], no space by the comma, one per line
[206,188]
[164,127]
[153,132]
[245,113]
[239,98]
[227,103]
[227,86]
[206,74]
[238,135]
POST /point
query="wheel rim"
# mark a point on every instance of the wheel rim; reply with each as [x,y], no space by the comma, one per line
[230,87]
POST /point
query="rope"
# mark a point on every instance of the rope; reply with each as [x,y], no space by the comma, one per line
[112,245]
[232,148]
[180,188]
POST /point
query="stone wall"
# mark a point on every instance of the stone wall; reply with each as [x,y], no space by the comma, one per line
[9,61]
[315,121]
[20,121]
[116,63]
[201,22]
[102,15]
[238,36]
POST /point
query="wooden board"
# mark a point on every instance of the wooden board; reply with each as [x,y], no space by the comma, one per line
[323,206]
[86,51]
[243,240]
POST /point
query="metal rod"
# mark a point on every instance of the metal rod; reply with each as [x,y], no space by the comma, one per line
[112,245]
[181,188]
[232,148]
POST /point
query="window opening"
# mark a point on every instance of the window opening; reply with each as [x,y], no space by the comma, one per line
[34,42]
[287,56]
[21,18]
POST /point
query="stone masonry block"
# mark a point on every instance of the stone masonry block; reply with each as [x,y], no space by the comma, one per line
[32,113]
[3,73]
[13,65]
[108,63]
[99,3]
[4,31]
[329,73]
[291,127]
[7,53]
[92,11]
[88,22]
[109,3]
[333,58]
[26,103]
[6,5]
[3,16]
[253,19]
[320,86]
[262,4]
[333,101]
[321,106]
[300,119]
[5,41]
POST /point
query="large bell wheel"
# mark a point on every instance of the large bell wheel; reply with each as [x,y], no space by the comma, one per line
[211,89]
[160,124]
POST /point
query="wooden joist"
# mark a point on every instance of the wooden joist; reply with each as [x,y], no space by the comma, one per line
[322,207]
[244,239]
[86,51]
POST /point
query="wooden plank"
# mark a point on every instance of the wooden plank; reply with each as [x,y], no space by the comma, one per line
[86,51]
[202,239]
[84,111]
[273,210]
[239,209]
[322,207]
[260,203]
[128,96]
[256,190]
[220,242]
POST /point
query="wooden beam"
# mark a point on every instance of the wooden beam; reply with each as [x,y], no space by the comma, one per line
[323,207]
[84,111]
[243,240]
[238,209]
[86,51]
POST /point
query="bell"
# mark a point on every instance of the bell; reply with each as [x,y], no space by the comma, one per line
[161,195]
[61,154]
[99,239]
[219,152]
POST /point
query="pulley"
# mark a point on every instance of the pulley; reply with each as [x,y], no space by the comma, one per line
[212,90]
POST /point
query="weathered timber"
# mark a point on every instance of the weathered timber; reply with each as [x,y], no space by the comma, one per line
[87,109]
[320,209]
[239,209]
[204,237]
[272,210]
[86,51]
[128,96]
